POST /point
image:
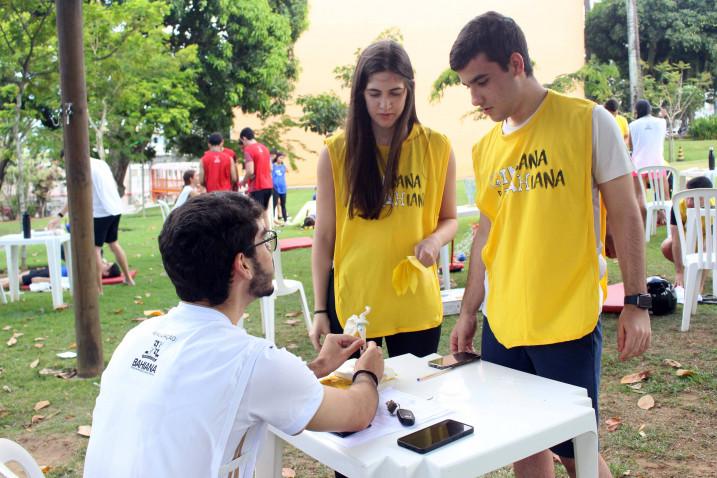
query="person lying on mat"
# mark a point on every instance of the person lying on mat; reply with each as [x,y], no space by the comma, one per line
[42,274]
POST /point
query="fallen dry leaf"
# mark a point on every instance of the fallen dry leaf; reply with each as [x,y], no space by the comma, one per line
[138,319]
[672,363]
[7,388]
[62,307]
[41,404]
[39,339]
[291,322]
[118,311]
[7,327]
[684,373]
[35,363]
[646,402]
[642,434]
[37,419]
[245,316]
[291,346]
[635,386]
[288,473]
[138,297]
[38,345]
[147,294]
[626,473]
[613,423]
[153,313]
[66,374]
[139,302]
[642,427]
[72,346]
[84,430]
[292,314]
[13,340]
[45,469]
[635,377]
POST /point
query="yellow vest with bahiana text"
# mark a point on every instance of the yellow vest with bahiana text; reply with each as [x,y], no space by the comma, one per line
[366,251]
[534,185]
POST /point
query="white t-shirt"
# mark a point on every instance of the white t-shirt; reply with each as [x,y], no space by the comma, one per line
[183,196]
[183,389]
[106,200]
[647,135]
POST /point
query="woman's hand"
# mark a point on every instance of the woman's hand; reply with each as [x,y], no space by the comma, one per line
[427,251]
[319,329]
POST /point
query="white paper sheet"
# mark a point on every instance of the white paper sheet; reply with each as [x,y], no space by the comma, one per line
[384,423]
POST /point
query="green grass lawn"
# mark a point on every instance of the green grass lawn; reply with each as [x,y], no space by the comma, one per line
[695,152]
[680,431]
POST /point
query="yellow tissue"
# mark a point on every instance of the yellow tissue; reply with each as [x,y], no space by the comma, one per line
[405,275]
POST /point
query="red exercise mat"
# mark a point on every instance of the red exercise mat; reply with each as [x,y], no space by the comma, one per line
[615,299]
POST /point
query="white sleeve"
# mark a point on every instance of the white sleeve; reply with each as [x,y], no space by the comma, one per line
[282,392]
[610,158]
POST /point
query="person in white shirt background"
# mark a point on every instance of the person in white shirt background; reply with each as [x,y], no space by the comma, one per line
[191,393]
[191,187]
[647,140]
[107,211]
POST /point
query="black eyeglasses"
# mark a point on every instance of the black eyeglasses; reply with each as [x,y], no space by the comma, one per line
[270,241]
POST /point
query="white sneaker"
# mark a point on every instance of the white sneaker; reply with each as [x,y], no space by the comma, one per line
[680,292]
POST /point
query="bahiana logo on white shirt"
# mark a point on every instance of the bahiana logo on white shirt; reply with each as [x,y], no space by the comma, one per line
[147,361]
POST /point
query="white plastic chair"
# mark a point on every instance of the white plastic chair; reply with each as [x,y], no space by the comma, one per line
[281,287]
[13,452]
[657,198]
[698,241]
[164,207]
[3,298]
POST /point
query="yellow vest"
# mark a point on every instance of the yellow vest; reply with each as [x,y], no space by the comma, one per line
[622,124]
[534,185]
[366,251]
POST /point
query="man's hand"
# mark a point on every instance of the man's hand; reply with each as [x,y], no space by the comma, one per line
[679,279]
[633,332]
[336,350]
[427,251]
[371,359]
[463,333]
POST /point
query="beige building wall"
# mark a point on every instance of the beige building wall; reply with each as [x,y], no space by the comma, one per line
[554,30]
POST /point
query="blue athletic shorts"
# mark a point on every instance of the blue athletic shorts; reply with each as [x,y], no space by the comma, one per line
[576,362]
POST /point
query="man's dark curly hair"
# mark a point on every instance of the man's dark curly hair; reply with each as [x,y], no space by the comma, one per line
[200,240]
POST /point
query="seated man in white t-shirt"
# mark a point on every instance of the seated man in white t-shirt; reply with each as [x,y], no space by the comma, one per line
[191,393]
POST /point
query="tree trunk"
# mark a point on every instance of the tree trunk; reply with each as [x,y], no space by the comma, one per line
[633,56]
[119,166]
[20,185]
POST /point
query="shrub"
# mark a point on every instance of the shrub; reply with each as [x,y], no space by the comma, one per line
[704,128]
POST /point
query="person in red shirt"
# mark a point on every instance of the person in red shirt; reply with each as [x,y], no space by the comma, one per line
[232,154]
[216,168]
[257,163]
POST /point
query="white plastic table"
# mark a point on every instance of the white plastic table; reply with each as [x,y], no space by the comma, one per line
[515,415]
[53,241]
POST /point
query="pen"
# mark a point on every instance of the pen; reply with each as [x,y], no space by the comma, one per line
[431,375]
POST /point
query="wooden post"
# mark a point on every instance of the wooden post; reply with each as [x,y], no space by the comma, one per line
[90,361]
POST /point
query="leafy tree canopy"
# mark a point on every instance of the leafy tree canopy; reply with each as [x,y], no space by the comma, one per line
[245,54]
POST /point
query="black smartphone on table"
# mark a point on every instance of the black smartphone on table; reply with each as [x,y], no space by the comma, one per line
[453,360]
[435,436]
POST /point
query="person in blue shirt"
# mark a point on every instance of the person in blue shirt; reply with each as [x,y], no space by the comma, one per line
[278,176]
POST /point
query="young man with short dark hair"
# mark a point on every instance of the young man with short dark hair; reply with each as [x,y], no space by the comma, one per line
[217,171]
[257,162]
[540,173]
[191,393]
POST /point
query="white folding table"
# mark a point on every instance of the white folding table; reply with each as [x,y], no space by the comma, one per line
[515,415]
[53,242]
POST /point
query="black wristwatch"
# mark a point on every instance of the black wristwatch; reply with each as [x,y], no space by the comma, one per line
[642,301]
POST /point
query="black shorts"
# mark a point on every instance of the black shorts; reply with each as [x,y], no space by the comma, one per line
[262,196]
[106,229]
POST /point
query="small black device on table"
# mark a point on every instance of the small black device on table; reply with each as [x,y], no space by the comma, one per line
[453,360]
